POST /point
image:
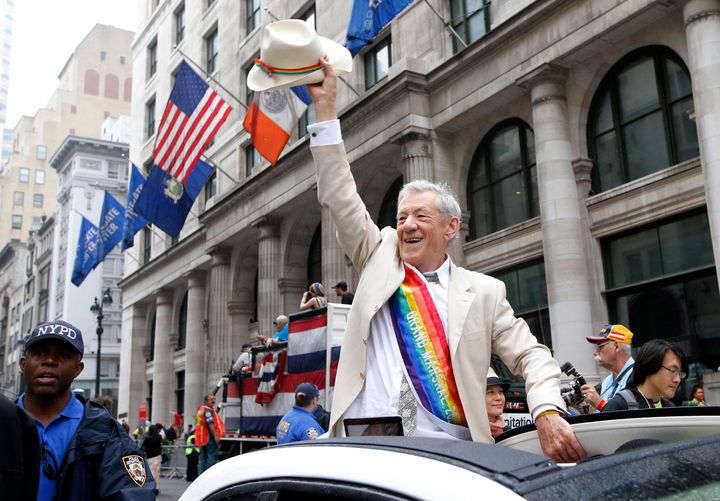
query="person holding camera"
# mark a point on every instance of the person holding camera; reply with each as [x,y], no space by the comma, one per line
[612,351]
[659,369]
[313,298]
[282,332]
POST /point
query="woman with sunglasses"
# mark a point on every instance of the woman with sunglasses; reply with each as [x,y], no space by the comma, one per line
[659,369]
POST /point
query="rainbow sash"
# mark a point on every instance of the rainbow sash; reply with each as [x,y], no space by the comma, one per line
[424,349]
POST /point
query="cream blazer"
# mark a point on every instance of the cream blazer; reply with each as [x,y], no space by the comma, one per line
[480,320]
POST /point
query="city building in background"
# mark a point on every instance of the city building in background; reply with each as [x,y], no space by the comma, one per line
[577,135]
[7,8]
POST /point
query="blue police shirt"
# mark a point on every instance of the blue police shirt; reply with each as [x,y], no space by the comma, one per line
[297,425]
[56,437]
[282,334]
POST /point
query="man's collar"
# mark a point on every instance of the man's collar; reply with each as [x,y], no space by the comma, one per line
[443,272]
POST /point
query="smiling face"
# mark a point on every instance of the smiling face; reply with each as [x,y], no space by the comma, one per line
[664,382]
[50,367]
[494,401]
[423,231]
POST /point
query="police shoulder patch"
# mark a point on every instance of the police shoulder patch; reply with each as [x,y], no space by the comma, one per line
[135,466]
[312,433]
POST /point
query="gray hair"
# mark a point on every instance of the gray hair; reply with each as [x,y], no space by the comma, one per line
[446,202]
[625,348]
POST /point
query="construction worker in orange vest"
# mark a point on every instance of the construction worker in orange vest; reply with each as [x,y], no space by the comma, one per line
[209,429]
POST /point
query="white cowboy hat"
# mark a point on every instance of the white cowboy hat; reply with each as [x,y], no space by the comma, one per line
[289,56]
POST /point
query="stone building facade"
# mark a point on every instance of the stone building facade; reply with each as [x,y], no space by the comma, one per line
[580,137]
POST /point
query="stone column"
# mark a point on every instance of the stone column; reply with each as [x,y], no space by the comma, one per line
[333,257]
[416,153]
[195,379]
[240,313]
[163,377]
[290,291]
[269,266]
[702,28]
[219,350]
[132,362]
[566,263]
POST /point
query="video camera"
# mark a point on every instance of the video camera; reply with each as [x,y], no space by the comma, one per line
[571,394]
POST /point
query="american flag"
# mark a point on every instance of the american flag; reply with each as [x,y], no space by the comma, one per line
[192,117]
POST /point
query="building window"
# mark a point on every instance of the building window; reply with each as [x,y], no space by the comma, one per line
[377,62]
[103,55]
[41,152]
[180,391]
[179,24]
[210,3]
[252,158]
[16,222]
[252,10]
[19,199]
[39,176]
[502,184]
[24,175]
[211,186]
[388,208]
[152,58]
[470,19]
[314,259]
[639,119]
[38,199]
[211,51]
[153,325]
[661,283]
[92,83]
[150,117]
[147,244]
[122,59]
[182,323]
[112,88]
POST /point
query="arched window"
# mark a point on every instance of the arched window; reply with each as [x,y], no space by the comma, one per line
[92,83]
[639,119]
[112,86]
[152,338]
[502,184]
[182,323]
[388,208]
[127,90]
[314,260]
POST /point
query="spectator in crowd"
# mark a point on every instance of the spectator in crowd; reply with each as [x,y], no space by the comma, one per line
[20,460]
[192,454]
[152,445]
[659,369]
[341,290]
[189,431]
[110,465]
[281,324]
[313,298]
[466,309]
[300,424]
[698,397]
[125,426]
[495,402]
[243,364]
[170,435]
[612,352]
[209,429]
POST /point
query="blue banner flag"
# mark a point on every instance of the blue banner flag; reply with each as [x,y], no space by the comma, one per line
[368,18]
[110,230]
[85,255]
[166,207]
[134,222]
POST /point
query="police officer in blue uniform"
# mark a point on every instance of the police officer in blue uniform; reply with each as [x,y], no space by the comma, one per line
[300,424]
[84,452]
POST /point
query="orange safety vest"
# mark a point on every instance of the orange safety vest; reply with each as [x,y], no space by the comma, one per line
[202,434]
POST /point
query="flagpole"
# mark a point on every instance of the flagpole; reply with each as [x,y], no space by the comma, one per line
[447,25]
[210,161]
[210,77]
[121,252]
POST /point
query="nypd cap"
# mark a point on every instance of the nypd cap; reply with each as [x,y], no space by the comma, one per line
[57,329]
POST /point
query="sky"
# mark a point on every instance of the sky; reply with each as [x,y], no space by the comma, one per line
[45,32]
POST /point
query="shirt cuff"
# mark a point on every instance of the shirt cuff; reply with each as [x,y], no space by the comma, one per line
[546,407]
[325,133]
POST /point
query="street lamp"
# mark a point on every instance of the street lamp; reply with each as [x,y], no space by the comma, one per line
[97,308]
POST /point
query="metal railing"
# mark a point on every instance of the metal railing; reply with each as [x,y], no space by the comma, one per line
[174,462]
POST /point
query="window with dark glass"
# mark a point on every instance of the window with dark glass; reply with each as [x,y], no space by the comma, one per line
[388,208]
[470,19]
[38,199]
[152,338]
[182,323]
[19,198]
[16,222]
[24,175]
[377,62]
[180,24]
[661,283]
[252,12]
[639,119]
[211,51]
[147,244]
[211,186]
[150,117]
[152,58]
[180,391]
[314,259]
[252,158]
[502,184]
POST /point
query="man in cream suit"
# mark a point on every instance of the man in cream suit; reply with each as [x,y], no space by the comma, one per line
[374,376]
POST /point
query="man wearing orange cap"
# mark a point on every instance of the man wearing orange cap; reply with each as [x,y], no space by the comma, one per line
[612,351]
